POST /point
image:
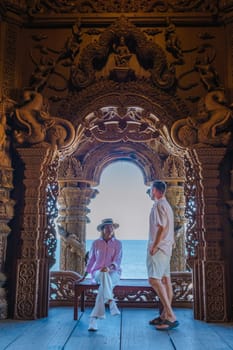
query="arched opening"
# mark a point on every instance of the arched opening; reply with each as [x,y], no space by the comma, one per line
[122,196]
[110,135]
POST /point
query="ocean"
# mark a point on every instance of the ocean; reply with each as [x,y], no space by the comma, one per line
[133,260]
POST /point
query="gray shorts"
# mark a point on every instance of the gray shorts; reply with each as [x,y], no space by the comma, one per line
[158,265]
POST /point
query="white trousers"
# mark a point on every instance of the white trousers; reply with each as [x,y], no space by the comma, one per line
[107,281]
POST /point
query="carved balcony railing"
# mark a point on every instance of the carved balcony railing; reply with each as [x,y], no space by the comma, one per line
[62,291]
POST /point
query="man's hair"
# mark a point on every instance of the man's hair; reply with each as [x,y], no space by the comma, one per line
[160,186]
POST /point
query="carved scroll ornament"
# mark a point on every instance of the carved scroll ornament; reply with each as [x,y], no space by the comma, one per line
[33,125]
[209,125]
[109,6]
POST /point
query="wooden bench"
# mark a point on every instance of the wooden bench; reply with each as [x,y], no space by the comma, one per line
[126,289]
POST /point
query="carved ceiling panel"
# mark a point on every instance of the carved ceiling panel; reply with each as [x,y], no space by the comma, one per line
[111,6]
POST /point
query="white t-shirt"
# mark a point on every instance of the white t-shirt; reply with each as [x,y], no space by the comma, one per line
[162,214]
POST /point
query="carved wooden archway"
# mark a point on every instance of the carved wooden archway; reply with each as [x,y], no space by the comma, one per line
[134,112]
[121,131]
[139,134]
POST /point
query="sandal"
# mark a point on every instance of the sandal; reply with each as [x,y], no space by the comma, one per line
[156,321]
[167,325]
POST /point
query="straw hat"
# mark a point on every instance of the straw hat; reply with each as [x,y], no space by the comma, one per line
[105,222]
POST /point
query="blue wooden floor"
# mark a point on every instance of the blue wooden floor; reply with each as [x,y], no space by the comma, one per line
[129,331]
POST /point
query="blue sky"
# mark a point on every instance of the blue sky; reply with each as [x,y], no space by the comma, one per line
[122,196]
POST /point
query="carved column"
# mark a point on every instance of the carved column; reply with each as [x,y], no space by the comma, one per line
[230,203]
[213,267]
[32,271]
[175,196]
[73,201]
[173,175]
[6,213]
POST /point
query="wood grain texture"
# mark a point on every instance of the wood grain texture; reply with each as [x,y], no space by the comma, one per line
[128,331]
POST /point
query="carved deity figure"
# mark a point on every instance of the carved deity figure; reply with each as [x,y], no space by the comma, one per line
[41,74]
[73,43]
[208,74]
[173,43]
[122,53]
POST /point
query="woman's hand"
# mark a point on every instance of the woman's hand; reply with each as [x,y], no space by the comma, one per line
[104,269]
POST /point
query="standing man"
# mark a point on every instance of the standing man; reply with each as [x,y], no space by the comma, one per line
[104,265]
[160,242]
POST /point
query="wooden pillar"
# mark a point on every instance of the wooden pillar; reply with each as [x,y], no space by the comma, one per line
[32,270]
[175,196]
[210,271]
[6,213]
[73,201]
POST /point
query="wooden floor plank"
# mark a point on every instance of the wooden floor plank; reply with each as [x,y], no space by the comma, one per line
[106,338]
[195,335]
[129,331]
[137,334]
[48,333]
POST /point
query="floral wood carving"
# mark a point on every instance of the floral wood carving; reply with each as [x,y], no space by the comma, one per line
[25,303]
[215,285]
[52,211]
[192,183]
[209,125]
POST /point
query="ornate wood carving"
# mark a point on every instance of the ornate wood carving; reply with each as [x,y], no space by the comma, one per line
[175,195]
[78,105]
[121,65]
[214,267]
[62,287]
[72,221]
[52,190]
[9,59]
[32,263]
[210,181]
[6,203]
[33,124]
[216,294]
[194,207]
[209,125]
[62,291]
[107,6]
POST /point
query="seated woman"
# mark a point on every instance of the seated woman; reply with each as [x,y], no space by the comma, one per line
[104,265]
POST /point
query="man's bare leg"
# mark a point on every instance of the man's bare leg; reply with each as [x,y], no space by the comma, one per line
[164,296]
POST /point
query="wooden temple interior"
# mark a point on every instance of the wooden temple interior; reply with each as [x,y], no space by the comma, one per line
[84,84]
